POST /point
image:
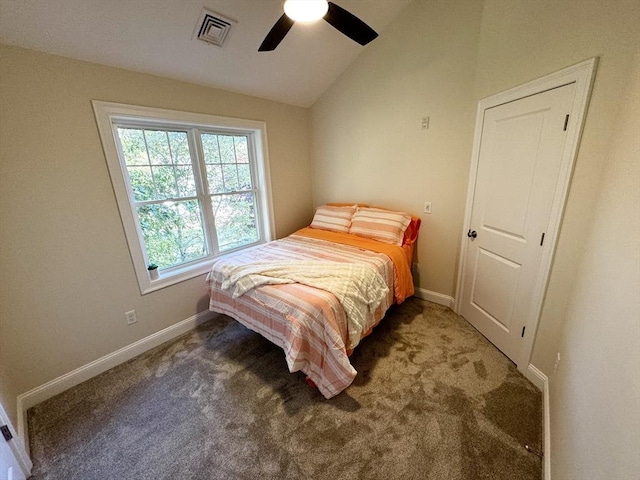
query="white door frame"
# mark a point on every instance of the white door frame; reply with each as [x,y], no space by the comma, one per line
[582,75]
[16,446]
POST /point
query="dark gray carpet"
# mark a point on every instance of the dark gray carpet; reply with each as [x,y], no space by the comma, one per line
[432,400]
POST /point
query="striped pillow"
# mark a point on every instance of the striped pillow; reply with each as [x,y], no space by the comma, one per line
[336,219]
[381,225]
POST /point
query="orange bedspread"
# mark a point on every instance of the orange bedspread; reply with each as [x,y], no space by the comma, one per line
[400,256]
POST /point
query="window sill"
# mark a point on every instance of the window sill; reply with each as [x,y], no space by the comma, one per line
[173,277]
[186,272]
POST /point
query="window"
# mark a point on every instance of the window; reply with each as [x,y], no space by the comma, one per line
[188,186]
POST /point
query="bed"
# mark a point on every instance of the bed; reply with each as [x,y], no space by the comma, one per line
[319,291]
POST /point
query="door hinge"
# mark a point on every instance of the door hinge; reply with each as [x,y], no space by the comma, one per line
[522,334]
[542,239]
[6,433]
[566,122]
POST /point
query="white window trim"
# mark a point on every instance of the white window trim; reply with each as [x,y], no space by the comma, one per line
[107,113]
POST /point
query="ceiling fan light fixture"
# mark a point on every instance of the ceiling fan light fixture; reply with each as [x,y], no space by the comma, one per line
[306,10]
[311,10]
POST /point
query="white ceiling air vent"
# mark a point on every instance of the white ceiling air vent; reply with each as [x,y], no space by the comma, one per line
[212,27]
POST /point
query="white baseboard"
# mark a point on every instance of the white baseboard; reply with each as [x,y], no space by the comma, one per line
[90,370]
[435,297]
[541,381]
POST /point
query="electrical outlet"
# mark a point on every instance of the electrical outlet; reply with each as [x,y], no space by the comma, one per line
[427,207]
[555,365]
[131,317]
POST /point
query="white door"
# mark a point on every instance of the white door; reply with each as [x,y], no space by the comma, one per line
[9,466]
[520,157]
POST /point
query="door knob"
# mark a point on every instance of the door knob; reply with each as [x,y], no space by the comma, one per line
[472,234]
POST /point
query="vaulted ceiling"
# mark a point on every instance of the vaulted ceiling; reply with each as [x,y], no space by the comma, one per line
[159,37]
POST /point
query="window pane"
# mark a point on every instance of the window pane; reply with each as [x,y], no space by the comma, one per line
[161,180]
[133,146]
[227,149]
[173,232]
[141,180]
[232,152]
[210,148]
[214,177]
[158,147]
[242,154]
[165,182]
[235,218]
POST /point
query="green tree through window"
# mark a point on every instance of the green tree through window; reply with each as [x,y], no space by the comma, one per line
[189,207]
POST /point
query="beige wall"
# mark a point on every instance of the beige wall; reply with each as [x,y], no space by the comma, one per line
[67,277]
[595,394]
[367,141]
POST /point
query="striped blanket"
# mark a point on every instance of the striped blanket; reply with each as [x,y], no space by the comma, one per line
[310,323]
[358,287]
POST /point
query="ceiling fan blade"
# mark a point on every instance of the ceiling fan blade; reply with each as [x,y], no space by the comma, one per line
[349,24]
[276,34]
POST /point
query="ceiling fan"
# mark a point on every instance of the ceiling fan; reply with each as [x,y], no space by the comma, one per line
[306,11]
